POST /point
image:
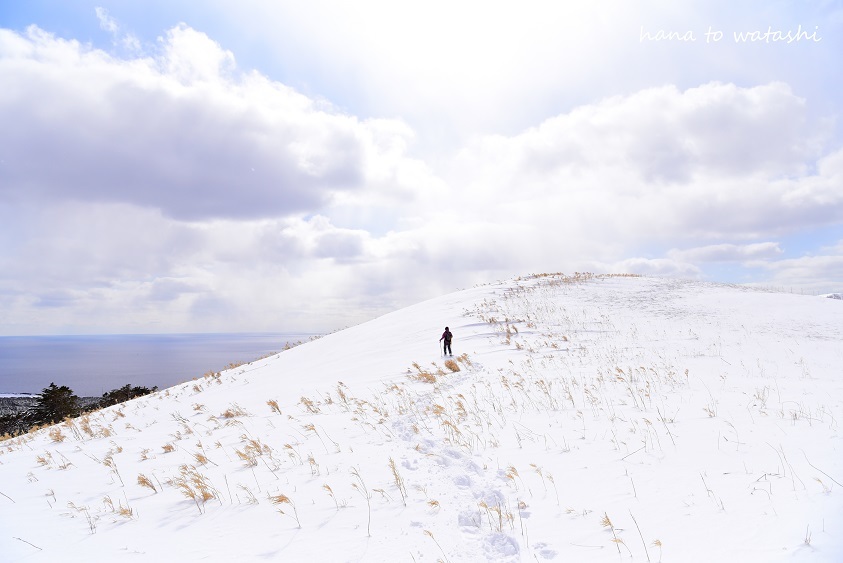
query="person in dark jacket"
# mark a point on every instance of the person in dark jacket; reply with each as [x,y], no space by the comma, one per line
[446,336]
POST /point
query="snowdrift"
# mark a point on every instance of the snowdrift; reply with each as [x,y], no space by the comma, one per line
[582,418]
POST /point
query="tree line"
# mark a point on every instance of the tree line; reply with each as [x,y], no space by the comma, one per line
[56,403]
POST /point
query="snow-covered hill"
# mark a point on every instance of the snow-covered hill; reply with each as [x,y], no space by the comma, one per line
[592,419]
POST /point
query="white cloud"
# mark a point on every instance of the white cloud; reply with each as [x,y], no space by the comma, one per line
[438,61]
[819,272]
[194,59]
[182,131]
[728,252]
[661,164]
[474,68]
[655,267]
[127,41]
[176,190]
[107,22]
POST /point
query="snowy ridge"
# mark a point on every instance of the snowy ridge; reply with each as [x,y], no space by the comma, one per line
[593,418]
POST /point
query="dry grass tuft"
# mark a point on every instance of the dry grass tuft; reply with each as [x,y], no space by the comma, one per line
[399,481]
[332,495]
[250,496]
[361,488]
[201,458]
[314,467]
[98,431]
[429,534]
[248,457]
[144,481]
[252,450]
[85,425]
[308,404]
[284,499]
[125,511]
[234,411]
[422,374]
[273,404]
[46,460]
[280,499]
[194,485]
[452,365]
[90,518]
[607,523]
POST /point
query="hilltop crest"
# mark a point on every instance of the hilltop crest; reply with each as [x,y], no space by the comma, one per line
[582,417]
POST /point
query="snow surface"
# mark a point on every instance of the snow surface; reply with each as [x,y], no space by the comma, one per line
[593,419]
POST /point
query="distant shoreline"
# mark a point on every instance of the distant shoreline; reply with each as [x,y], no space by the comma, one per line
[94,364]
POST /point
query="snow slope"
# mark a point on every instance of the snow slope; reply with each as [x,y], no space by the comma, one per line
[593,418]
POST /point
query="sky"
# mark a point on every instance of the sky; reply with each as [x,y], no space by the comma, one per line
[282,166]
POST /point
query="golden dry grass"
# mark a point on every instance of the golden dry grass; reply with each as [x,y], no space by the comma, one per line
[194,485]
[273,404]
[422,374]
[234,411]
[284,499]
[144,481]
[309,405]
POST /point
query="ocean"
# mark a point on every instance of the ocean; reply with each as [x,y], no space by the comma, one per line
[92,365]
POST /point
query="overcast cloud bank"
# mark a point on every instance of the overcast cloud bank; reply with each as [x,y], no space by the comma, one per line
[165,188]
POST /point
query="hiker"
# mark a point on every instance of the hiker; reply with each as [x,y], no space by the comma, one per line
[446,336]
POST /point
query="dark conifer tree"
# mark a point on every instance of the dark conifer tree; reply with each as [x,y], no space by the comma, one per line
[123,394]
[54,405]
